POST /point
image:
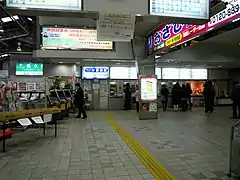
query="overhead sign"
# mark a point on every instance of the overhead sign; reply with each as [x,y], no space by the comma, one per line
[46,4]
[123,73]
[172,34]
[196,9]
[115,27]
[70,38]
[30,69]
[184,73]
[95,72]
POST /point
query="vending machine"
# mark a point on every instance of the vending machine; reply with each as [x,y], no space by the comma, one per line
[148,97]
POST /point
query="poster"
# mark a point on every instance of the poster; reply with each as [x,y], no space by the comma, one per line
[115,27]
[149,89]
[153,107]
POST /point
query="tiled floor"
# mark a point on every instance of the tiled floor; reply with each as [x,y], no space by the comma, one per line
[83,150]
[190,145]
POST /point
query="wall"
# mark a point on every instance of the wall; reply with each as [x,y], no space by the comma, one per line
[59,70]
[117,6]
[218,74]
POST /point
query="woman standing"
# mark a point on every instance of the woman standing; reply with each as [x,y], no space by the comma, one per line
[209,95]
[189,92]
[184,98]
[137,97]
[176,96]
[164,96]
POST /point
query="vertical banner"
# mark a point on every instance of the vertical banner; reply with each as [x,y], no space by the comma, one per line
[116,27]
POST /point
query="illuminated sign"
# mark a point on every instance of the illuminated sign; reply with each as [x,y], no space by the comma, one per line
[184,73]
[95,72]
[46,4]
[172,34]
[196,9]
[69,38]
[123,73]
[30,69]
[148,89]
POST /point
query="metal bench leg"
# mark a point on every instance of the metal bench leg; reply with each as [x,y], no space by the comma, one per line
[55,128]
[4,137]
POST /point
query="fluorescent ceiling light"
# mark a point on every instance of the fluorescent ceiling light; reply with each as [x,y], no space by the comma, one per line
[60,62]
[9,19]
[30,19]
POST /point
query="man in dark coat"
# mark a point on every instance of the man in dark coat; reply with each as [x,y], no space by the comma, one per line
[79,101]
[236,100]
[128,97]
[209,95]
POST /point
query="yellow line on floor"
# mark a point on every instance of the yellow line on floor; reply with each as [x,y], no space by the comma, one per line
[154,167]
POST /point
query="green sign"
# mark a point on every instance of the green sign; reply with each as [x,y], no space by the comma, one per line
[30,69]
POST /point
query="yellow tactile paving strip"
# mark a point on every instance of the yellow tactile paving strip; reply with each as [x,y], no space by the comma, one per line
[154,167]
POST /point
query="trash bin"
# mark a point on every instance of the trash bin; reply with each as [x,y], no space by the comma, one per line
[234,166]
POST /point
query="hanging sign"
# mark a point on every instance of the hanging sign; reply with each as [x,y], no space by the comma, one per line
[115,27]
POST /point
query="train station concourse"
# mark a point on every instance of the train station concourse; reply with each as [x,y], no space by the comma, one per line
[119,90]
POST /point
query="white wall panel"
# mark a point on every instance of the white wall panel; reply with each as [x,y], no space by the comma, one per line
[117,6]
[59,70]
[218,74]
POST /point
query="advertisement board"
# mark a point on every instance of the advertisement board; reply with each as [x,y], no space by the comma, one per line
[68,5]
[123,73]
[196,9]
[184,73]
[173,34]
[70,38]
[95,72]
[29,69]
[148,89]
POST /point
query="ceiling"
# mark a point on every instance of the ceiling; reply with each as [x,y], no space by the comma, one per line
[219,51]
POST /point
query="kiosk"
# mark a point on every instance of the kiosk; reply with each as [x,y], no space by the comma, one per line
[148,97]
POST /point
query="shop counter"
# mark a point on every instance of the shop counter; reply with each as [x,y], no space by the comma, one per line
[224,101]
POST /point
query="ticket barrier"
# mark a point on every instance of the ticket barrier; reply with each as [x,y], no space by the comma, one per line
[55,103]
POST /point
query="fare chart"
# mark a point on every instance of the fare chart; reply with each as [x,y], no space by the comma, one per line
[196,9]
[46,4]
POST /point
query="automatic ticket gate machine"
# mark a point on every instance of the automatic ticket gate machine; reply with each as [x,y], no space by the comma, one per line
[59,96]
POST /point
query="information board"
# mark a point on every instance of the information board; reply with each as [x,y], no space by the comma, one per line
[68,5]
[170,73]
[148,89]
[184,73]
[70,38]
[123,73]
[29,69]
[196,9]
[95,72]
[158,72]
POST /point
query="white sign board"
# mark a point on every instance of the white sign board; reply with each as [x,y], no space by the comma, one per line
[47,118]
[153,107]
[38,120]
[24,122]
[115,27]
[195,9]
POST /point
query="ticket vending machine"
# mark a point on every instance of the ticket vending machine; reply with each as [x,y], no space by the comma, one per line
[148,97]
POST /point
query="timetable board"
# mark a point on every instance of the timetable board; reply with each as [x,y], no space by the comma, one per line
[195,9]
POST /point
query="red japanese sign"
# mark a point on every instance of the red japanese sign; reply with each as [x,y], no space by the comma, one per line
[172,34]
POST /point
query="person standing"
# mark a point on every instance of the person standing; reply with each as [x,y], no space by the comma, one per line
[189,92]
[79,101]
[128,97]
[236,99]
[164,96]
[176,96]
[209,95]
[137,97]
[184,98]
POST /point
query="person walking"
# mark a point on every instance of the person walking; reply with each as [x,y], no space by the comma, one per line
[128,97]
[236,100]
[164,96]
[176,96]
[137,97]
[79,102]
[209,95]
[184,98]
[189,93]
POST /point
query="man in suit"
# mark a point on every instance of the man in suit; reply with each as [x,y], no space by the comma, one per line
[79,101]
